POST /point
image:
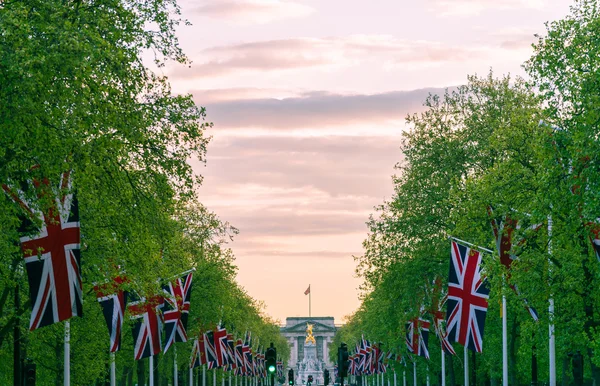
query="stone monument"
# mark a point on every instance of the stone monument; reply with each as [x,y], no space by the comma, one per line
[310,364]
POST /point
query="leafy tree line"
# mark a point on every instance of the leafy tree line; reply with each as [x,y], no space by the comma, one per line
[503,148]
[76,95]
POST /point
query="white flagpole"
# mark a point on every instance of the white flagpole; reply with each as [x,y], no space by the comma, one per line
[204,375]
[551,338]
[427,375]
[215,377]
[229,378]
[415,372]
[504,343]
[113,370]
[223,378]
[443,366]
[175,380]
[191,377]
[151,370]
[466,365]
[394,377]
[67,364]
[482,249]
[404,376]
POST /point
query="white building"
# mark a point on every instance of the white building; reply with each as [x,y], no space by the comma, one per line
[295,332]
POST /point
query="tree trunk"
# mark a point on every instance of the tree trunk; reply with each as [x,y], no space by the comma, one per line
[565,369]
[590,324]
[141,372]
[512,353]
[450,368]
[534,367]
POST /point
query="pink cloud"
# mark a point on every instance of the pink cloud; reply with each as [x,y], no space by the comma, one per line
[299,53]
[474,7]
[253,11]
[314,109]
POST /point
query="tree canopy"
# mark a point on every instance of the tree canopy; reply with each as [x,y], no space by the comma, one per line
[499,148]
[76,95]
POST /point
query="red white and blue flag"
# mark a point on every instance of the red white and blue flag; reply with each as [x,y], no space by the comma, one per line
[176,309]
[147,328]
[417,337]
[221,347]
[438,300]
[239,358]
[209,350]
[51,253]
[113,300]
[198,356]
[503,229]
[231,352]
[467,298]
[595,237]
[247,351]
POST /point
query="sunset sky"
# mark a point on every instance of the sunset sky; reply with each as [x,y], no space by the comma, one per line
[308,100]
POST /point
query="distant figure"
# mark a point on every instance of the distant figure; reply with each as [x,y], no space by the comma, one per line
[309,334]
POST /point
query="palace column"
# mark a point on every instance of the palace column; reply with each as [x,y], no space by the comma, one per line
[295,353]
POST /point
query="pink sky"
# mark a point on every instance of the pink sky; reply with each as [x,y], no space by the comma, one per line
[308,100]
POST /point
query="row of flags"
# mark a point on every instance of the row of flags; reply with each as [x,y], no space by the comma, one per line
[218,349]
[50,243]
[464,320]
[166,311]
[369,359]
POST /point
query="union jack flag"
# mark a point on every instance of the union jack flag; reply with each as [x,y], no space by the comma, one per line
[417,337]
[231,352]
[279,368]
[335,371]
[176,309]
[247,351]
[467,298]
[503,230]
[239,358]
[363,366]
[148,326]
[113,299]
[438,300]
[198,355]
[210,352]
[51,253]
[221,347]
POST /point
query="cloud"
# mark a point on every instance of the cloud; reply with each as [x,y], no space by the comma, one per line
[327,53]
[313,109]
[253,11]
[475,7]
[333,174]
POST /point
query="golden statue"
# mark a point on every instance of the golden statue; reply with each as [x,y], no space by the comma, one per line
[309,335]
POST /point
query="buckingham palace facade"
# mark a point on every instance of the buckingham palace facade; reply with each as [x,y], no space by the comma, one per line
[295,332]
